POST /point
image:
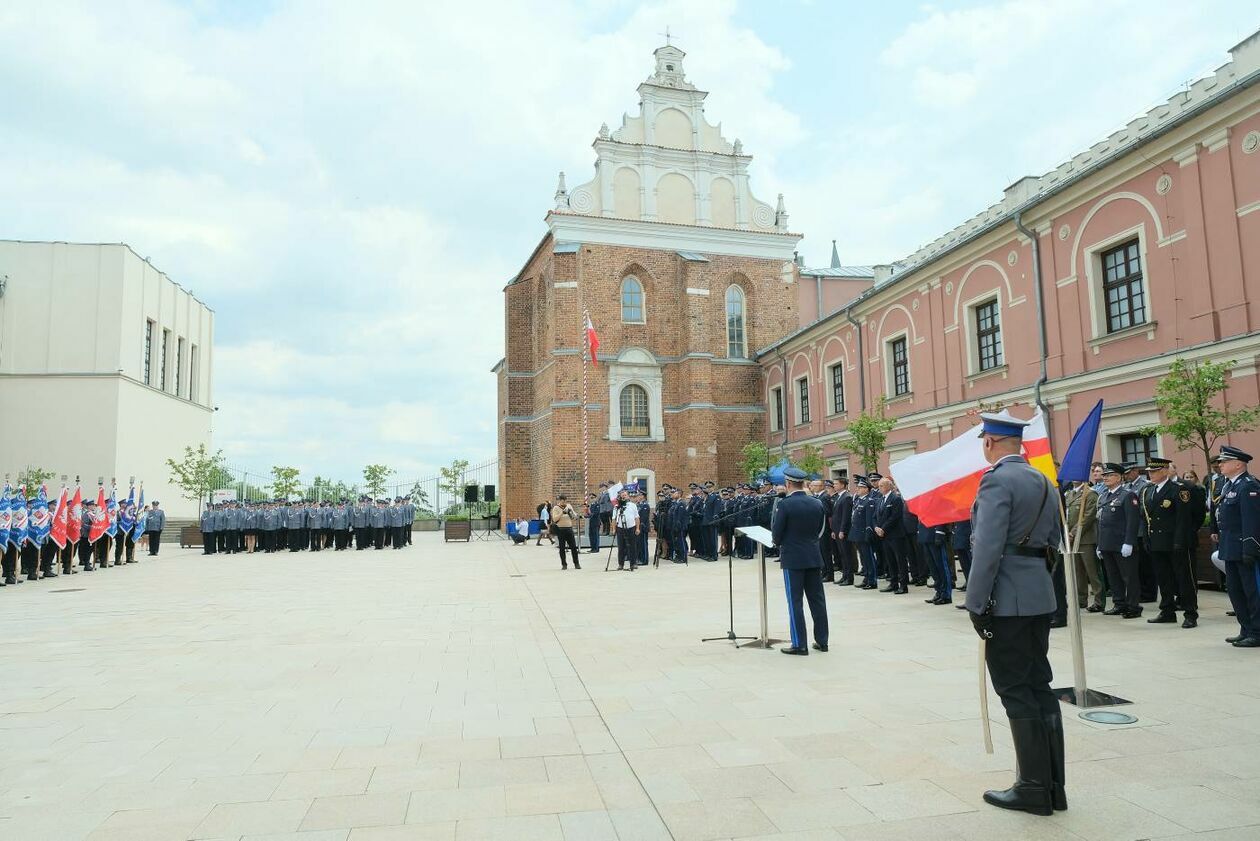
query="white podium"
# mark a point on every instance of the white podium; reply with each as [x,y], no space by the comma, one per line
[762,537]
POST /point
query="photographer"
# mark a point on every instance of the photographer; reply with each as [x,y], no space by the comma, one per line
[625,516]
[565,522]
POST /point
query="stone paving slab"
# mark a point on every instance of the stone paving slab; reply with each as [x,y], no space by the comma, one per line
[476,691]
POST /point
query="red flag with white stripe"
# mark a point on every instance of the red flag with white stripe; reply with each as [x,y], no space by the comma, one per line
[592,340]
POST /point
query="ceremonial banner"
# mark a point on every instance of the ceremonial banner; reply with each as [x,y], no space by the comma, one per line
[61,520]
[142,516]
[111,512]
[74,521]
[17,528]
[41,519]
[940,486]
[6,519]
[100,519]
[127,513]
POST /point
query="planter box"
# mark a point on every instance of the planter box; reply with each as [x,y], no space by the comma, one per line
[457,530]
[426,525]
[190,536]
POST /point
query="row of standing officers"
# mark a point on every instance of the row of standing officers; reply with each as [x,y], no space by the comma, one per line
[277,524]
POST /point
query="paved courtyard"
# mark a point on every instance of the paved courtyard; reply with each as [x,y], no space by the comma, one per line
[477,691]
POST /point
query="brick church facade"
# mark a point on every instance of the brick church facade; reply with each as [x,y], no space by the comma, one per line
[684,275]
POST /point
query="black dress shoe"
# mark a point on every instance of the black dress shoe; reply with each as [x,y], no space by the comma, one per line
[1162,619]
[962,588]
[819,647]
[1190,623]
[961,606]
[1229,613]
[900,592]
[576,565]
[933,600]
[1058,623]
[802,652]
[1132,614]
[889,589]
[1114,611]
[1247,642]
[1230,640]
[1094,608]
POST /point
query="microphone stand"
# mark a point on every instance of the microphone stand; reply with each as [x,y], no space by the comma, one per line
[730,593]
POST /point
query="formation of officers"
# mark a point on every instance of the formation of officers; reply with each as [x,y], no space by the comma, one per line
[306,524]
[1136,529]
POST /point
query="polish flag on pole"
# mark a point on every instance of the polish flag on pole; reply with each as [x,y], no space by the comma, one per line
[100,520]
[61,519]
[592,340]
[940,486]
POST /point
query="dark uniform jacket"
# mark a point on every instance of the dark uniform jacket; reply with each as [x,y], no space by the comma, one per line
[889,514]
[1081,504]
[799,520]
[842,514]
[1117,519]
[1237,519]
[961,534]
[861,519]
[1167,513]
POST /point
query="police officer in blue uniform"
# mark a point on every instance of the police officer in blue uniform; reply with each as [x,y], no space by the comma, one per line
[799,520]
[932,539]
[1236,528]
[861,531]
[1010,599]
[1117,539]
[1165,505]
[709,521]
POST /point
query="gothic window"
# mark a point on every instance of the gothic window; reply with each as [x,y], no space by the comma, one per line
[634,412]
[632,300]
[736,347]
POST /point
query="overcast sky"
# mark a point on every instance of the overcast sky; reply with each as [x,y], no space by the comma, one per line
[350,184]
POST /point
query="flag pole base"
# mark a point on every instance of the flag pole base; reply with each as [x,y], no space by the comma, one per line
[1093,698]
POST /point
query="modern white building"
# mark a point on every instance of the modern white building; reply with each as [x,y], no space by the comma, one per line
[106,367]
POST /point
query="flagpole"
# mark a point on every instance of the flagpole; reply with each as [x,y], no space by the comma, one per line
[1075,635]
[586,435]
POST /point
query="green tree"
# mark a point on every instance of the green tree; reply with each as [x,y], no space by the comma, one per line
[452,480]
[33,477]
[198,473]
[755,459]
[420,499]
[868,435]
[374,476]
[1187,400]
[810,459]
[284,481]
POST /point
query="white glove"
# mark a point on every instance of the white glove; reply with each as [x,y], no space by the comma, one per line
[1098,552]
[1126,550]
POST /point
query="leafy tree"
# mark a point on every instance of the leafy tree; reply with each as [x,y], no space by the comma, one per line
[1187,398]
[284,481]
[810,459]
[420,499]
[198,473]
[756,459]
[326,490]
[452,480]
[868,435]
[374,476]
[33,477]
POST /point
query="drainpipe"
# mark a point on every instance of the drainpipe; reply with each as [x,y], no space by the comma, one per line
[818,290]
[848,313]
[1041,318]
[786,397]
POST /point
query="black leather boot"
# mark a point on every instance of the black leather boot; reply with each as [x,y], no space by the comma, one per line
[1031,791]
[1054,731]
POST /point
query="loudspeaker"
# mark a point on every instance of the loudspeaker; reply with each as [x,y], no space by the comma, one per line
[489,493]
[470,493]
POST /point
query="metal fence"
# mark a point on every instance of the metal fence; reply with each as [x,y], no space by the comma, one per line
[433,496]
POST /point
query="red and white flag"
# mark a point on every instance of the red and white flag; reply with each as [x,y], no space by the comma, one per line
[592,340]
[100,519]
[74,519]
[940,486]
[61,519]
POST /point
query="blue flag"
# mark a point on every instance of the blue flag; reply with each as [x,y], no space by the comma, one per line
[111,512]
[127,513]
[1080,453]
[142,516]
[41,518]
[6,519]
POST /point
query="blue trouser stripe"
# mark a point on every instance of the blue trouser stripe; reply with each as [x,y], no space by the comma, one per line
[787,588]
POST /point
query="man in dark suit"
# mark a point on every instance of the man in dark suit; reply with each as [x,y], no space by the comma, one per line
[841,523]
[1166,507]
[798,521]
[890,529]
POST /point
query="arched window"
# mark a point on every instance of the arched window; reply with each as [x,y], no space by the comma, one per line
[632,300]
[735,344]
[634,412]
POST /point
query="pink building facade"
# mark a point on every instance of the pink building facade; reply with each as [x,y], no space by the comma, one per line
[1140,250]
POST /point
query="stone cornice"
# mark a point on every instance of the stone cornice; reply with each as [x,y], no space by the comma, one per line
[664,236]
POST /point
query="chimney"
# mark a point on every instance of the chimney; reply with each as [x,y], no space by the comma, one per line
[1021,191]
[882,273]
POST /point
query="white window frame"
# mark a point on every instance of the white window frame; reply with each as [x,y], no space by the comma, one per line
[800,414]
[639,367]
[831,388]
[890,381]
[973,332]
[621,300]
[1094,282]
[743,320]
[164,378]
